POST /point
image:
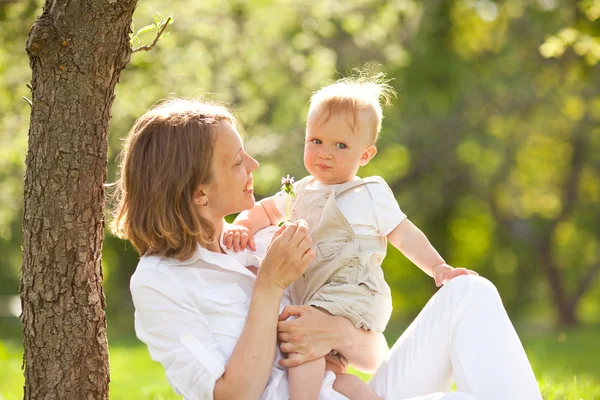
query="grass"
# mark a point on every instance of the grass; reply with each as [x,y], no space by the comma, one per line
[565,362]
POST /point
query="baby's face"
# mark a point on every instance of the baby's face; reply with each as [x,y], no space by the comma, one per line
[333,151]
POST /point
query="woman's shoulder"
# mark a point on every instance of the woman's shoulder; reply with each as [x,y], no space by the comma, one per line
[157,262]
[154,271]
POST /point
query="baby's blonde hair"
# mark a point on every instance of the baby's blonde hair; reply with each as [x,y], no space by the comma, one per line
[362,91]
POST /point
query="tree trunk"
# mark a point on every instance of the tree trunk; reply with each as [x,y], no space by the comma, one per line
[77,51]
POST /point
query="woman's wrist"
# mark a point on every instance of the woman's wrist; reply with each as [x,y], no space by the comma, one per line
[342,331]
[269,288]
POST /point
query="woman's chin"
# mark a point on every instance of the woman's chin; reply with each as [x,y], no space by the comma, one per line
[250,201]
[243,205]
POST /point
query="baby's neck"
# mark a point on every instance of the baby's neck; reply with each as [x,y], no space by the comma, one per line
[334,183]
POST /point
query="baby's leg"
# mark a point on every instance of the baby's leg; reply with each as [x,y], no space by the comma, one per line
[353,388]
[349,385]
[306,380]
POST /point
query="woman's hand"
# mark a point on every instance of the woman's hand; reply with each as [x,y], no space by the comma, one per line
[287,256]
[310,335]
[314,333]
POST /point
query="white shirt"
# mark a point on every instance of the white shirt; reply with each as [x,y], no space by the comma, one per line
[370,209]
[191,314]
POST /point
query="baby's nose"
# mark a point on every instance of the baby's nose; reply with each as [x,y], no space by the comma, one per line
[325,154]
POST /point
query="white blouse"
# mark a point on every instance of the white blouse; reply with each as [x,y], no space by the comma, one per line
[191,315]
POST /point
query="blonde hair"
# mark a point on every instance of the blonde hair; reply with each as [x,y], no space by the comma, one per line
[364,91]
[166,155]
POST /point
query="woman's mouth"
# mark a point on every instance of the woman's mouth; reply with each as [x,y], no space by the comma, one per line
[249,187]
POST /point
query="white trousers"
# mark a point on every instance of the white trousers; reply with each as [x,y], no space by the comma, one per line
[462,335]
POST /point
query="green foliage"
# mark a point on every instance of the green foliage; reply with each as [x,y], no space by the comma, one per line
[15,20]
[492,147]
[135,376]
[158,27]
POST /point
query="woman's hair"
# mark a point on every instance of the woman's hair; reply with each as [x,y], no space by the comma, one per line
[363,91]
[166,155]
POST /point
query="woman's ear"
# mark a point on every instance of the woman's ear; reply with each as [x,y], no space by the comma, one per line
[367,155]
[200,197]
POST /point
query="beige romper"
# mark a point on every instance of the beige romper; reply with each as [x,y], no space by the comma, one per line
[346,277]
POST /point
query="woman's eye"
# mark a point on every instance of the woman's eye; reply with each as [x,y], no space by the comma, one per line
[316,141]
[240,161]
[341,146]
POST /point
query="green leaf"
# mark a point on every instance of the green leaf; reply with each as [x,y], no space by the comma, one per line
[145,29]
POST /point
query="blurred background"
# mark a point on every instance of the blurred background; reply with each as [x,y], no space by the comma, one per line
[492,148]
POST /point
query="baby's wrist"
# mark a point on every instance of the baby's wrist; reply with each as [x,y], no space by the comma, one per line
[241,224]
[439,267]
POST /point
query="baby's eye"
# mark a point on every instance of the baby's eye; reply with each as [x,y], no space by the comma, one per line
[341,146]
[317,141]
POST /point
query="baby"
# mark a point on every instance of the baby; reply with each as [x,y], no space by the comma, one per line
[350,220]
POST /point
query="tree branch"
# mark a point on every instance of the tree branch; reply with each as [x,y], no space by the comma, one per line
[569,196]
[584,284]
[148,47]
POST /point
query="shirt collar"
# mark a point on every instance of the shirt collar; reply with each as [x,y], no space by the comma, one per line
[225,261]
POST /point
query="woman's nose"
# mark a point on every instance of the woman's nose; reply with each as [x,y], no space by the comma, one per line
[253,165]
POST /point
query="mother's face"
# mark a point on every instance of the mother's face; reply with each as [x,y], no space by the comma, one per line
[231,188]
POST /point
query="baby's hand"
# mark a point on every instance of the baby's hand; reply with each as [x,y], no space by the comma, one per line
[239,237]
[442,273]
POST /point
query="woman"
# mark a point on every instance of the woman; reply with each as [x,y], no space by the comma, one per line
[213,323]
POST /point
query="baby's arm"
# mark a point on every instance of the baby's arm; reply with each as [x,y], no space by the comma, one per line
[413,243]
[263,214]
[240,234]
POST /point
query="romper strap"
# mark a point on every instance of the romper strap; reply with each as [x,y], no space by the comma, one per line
[359,182]
[303,183]
[374,179]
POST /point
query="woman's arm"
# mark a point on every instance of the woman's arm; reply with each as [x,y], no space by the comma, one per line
[314,334]
[255,350]
[287,258]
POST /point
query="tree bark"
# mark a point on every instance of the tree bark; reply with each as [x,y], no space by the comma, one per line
[77,51]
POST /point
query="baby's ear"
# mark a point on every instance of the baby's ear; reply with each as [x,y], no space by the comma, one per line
[367,155]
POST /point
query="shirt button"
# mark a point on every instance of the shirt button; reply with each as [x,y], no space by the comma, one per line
[327,195]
